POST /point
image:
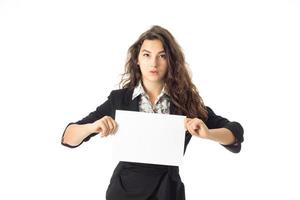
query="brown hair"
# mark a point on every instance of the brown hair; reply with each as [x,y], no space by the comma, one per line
[182,91]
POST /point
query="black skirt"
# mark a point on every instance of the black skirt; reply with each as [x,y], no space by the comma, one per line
[138,181]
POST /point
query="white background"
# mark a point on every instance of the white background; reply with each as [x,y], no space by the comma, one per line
[60,59]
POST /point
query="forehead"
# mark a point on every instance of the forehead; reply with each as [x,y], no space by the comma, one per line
[152,46]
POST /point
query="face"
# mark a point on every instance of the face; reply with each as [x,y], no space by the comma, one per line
[152,61]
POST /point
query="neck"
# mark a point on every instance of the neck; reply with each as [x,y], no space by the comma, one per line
[153,89]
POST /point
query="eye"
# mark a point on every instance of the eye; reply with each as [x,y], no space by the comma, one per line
[146,54]
[162,56]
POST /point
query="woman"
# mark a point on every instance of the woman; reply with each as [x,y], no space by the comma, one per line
[156,80]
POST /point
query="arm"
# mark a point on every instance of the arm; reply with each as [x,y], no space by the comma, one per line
[217,122]
[81,131]
[221,135]
[198,128]
[75,134]
[219,129]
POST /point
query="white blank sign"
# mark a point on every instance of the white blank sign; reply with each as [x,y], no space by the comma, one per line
[149,138]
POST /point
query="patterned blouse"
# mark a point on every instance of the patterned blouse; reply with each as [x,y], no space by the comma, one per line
[161,105]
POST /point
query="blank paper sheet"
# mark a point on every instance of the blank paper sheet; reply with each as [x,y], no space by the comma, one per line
[149,138]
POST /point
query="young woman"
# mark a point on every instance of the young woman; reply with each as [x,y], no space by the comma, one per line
[156,80]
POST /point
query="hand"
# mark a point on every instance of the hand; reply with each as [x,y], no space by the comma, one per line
[196,127]
[106,125]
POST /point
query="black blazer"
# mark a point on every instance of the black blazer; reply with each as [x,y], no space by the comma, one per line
[122,100]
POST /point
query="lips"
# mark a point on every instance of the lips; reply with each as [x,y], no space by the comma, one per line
[153,71]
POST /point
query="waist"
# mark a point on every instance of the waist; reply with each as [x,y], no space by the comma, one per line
[152,169]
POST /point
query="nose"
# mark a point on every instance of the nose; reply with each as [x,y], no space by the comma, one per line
[154,62]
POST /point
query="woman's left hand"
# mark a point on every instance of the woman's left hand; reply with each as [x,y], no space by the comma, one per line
[196,127]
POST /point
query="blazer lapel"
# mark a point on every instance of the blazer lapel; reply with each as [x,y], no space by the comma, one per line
[132,105]
[172,108]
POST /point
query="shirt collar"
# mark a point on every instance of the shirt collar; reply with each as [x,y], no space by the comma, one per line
[139,89]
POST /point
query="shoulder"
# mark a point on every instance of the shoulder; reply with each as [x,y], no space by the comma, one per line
[120,92]
[210,111]
[121,96]
[212,117]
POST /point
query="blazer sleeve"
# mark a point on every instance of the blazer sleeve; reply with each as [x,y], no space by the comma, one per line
[105,109]
[216,121]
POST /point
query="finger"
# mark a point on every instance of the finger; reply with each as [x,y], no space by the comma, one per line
[96,124]
[195,123]
[186,120]
[110,125]
[115,126]
[190,130]
[104,128]
[195,126]
[189,124]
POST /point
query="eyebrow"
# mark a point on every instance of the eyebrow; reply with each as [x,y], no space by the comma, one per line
[163,51]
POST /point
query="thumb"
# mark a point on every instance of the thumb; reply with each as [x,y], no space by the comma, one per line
[186,120]
[196,126]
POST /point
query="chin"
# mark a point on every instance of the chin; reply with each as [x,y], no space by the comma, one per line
[154,79]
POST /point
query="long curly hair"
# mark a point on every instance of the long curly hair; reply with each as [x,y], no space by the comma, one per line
[184,94]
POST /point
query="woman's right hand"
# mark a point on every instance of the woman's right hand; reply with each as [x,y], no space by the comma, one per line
[105,126]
